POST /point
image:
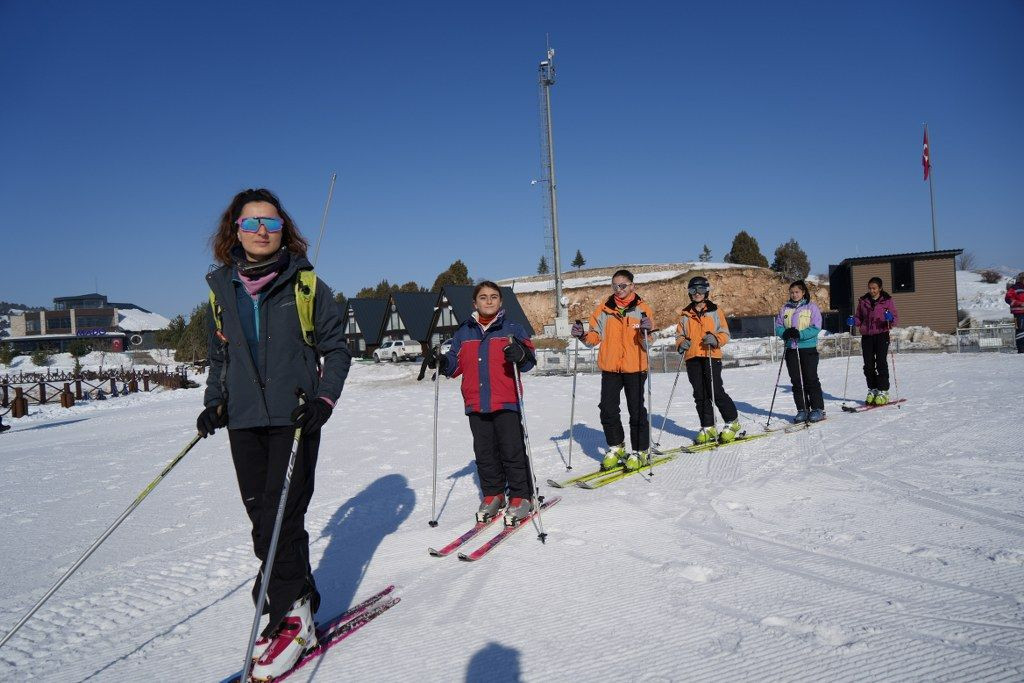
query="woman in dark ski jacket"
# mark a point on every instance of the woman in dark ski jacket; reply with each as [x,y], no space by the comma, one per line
[258,362]
[483,350]
[875,316]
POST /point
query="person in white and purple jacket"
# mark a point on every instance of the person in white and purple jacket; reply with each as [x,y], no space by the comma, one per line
[799,324]
[875,316]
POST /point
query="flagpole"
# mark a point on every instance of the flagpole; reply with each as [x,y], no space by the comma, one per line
[931,189]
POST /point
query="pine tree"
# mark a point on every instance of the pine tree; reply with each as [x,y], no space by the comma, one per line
[342,301]
[791,261]
[705,255]
[542,267]
[193,342]
[40,357]
[6,354]
[456,274]
[745,251]
[579,261]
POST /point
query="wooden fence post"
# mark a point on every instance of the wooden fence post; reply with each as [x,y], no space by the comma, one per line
[3,394]
[67,399]
[145,382]
[20,406]
[42,393]
[78,388]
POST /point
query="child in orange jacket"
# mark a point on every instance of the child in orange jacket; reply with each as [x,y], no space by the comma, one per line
[703,331]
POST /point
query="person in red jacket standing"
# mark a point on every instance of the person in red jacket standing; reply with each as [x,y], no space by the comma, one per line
[875,316]
[1015,298]
[482,351]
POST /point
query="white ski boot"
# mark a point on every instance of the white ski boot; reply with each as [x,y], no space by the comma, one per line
[295,636]
[518,509]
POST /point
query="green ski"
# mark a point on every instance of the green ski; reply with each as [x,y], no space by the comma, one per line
[616,476]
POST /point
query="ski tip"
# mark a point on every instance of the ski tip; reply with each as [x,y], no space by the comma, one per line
[584,485]
[434,553]
[465,558]
[554,484]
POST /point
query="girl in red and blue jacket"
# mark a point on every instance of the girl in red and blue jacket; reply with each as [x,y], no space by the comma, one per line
[875,316]
[482,351]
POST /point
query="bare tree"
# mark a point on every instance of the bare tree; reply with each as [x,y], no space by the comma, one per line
[966,261]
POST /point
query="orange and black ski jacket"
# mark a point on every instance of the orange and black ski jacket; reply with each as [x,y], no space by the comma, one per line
[616,329]
[694,324]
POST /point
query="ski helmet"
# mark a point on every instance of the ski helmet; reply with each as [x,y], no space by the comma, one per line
[698,285]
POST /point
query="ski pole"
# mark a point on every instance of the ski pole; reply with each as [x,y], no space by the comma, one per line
[803,387]
[650,460]
[778,377]
[711,379]
[572,405]
[668,405]
[849,353]
[436,380]
[895,379]
[272,552]
[526,438]
[110,529]
[433,492]
[323,220]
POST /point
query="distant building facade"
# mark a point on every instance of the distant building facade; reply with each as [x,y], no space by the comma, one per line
[87,316]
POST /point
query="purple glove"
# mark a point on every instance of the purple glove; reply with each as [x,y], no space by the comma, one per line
[577,330]
[645,324]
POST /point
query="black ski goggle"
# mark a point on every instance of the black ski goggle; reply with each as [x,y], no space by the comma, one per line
[699,289]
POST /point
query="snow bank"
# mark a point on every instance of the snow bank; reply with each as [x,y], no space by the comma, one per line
[134,320]
[982,301]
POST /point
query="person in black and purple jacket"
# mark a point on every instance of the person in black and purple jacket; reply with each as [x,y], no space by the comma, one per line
[875,316]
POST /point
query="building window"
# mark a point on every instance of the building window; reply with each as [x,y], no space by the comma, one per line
[84,321]
[32,324]
[903,275]
[58,323]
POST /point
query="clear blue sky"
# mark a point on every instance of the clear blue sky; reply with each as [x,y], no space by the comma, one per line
[126,127]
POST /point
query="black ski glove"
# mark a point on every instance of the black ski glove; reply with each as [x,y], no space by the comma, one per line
[312,415]
[791,334]
[710,340]
[211,419]
[436,360]
[516,352]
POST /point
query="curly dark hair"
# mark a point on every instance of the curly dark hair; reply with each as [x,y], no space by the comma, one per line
[226,237]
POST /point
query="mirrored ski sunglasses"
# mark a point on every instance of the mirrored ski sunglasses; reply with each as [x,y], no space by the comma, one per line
[253,224]
[699,289]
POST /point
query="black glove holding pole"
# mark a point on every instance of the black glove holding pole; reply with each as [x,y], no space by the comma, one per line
[310,416]
[791,334]
[211,419]
[516,352]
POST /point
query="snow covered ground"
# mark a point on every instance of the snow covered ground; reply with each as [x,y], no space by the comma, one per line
[983,301]
[883,545]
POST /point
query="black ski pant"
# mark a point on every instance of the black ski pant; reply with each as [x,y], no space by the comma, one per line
[501,454]
[1019,332]
[874,348]
[808,392]
[613,384]
[697,369]
[261,457]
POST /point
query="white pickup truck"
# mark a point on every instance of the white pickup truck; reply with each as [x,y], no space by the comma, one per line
[397,350]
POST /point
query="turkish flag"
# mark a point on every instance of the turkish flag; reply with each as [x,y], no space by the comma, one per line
[926,159]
